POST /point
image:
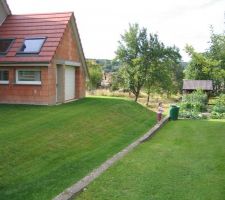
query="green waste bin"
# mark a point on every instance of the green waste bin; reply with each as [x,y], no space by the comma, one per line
[174,111]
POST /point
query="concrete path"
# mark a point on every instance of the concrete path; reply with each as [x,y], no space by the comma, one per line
[72,191]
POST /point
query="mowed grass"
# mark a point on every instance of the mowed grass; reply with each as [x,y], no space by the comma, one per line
[45,149]
[185,160]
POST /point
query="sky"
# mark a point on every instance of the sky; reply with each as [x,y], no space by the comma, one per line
[101,22]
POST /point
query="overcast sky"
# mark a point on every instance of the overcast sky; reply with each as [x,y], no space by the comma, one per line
[101,22]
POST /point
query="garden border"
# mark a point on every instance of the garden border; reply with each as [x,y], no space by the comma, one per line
[72,191]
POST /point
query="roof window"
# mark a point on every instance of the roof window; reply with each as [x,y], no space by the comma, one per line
[5,45]
[32,45]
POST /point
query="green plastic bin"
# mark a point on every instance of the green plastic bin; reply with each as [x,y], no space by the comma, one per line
[174,111]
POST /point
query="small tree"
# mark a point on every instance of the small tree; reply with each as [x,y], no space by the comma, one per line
[164,71]
[147,62]
[95,73]
[133,55]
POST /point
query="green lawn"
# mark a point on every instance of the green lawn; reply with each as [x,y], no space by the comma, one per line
[185,160]
[44,149]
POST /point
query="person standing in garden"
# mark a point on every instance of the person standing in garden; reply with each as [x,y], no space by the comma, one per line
[159,112]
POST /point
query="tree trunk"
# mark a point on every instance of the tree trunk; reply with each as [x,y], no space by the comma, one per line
[136,97]
[167,95]
[148,98]
[224,85]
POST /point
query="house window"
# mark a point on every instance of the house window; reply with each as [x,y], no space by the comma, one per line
[28,77]
[32,45]
[4,76]
[5,45]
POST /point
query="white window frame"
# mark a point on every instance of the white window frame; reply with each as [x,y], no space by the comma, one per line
[4,82]
[27,82]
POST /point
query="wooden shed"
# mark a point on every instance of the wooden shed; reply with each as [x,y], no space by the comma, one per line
[193,85]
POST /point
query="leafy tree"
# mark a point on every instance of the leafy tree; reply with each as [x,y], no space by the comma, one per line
[147,62]
[164,69]
[217,47]
[203,67]
[95,73]
[172,71]
[217,52]
[133,55]
[210,64]
[153,75]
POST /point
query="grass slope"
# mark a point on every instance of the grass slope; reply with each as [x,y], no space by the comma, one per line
[184,160]
[44,149]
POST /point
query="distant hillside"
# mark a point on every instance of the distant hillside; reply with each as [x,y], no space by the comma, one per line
[107,65]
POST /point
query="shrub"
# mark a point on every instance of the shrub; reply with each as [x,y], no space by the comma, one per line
[220,104]
[191,115]
[195,101]
[216,115]
[219,108]
[221,100]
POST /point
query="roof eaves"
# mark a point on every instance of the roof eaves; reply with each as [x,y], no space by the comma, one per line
[196,84]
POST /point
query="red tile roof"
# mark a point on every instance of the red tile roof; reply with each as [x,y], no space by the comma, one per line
[51,26]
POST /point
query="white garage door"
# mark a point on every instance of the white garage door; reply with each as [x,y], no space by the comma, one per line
[69,83]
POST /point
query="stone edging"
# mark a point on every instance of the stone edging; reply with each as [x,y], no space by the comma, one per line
[72,191]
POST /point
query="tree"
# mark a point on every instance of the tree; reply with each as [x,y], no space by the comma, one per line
[204,67]
[147,62]
[216,51]
[209,64]
[217,47]
[95,73]
[132,53]
[164,71]
[171,71]
[153,73]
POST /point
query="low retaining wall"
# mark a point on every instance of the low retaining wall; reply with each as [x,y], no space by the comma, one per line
[72,191]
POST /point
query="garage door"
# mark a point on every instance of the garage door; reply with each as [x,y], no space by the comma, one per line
[69,83]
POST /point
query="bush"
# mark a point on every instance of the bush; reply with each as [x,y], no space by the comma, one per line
[196,101]
[220,104]
[221,100]
[191,115]
[219,108]
[193,104]
[216,115]
[95,76]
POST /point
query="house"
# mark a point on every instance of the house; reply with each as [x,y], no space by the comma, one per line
[41,58]
[192,85]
